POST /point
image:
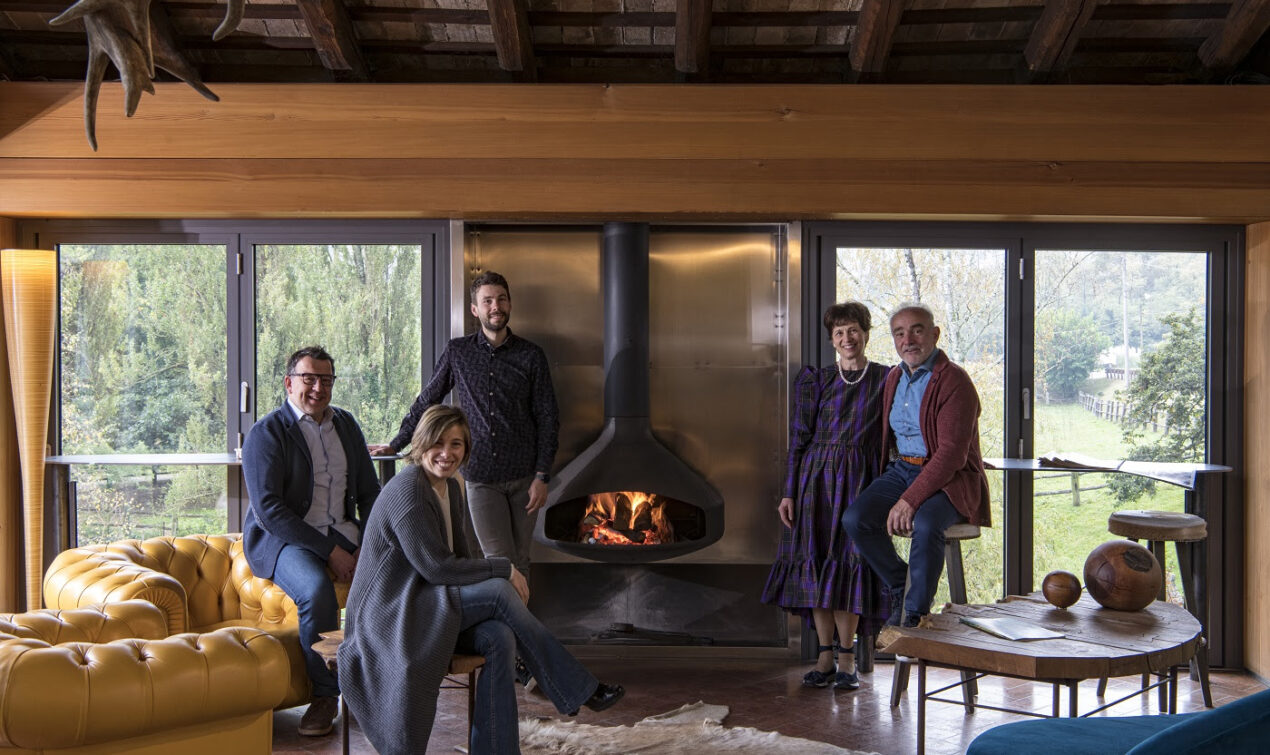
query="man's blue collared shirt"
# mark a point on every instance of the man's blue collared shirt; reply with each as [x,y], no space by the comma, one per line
[906,408]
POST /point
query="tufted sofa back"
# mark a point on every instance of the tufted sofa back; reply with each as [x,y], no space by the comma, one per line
[198,580]
[201,583]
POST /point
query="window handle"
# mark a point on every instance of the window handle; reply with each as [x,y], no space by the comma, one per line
[1027,403]
[244,390]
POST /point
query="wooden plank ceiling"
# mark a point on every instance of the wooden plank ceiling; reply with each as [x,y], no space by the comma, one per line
[663,41]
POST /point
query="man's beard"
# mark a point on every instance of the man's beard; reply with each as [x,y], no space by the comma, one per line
[489,325]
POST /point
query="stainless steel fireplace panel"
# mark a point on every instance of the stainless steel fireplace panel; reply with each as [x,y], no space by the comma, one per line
[554,277]
[580,395]
[713,300]
[730,434]
[717,351]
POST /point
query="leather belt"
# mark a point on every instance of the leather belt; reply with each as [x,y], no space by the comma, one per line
[916,461]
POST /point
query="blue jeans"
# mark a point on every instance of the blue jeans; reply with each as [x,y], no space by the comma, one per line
[302,576]
[865,523]
[498,516]
[497,625]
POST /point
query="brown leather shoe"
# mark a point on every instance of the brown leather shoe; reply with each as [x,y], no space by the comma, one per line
[318,720]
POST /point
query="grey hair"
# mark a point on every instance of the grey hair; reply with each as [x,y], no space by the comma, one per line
[913,306]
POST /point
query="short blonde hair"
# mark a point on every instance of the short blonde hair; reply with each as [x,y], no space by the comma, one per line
[434,423]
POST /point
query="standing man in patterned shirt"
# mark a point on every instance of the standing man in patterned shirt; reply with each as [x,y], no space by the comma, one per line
[504,385]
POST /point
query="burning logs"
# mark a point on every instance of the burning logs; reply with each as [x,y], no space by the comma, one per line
[625,518]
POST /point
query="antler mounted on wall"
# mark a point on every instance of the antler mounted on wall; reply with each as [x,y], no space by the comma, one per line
[136,36]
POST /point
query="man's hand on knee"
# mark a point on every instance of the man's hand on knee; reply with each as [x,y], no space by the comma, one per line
[342,563]
[900,520]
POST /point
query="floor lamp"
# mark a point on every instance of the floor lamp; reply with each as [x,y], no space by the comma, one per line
[28,287]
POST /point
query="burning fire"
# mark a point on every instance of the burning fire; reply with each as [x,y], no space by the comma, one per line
[625,518]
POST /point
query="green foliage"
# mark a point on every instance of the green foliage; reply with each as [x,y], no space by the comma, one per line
[362,304]
[1067,349]
[1169,389]
[144,362]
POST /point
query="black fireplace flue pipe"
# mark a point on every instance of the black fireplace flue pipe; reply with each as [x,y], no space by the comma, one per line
[624,275]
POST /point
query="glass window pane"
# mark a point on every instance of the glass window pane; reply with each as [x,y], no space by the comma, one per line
[1120,365]
[143,371]
[362,303]
[121,502]
[965,288]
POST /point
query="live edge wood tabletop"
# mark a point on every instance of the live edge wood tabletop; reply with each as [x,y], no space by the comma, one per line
[1097,642]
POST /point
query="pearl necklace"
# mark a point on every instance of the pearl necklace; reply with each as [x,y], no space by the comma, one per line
[843,375]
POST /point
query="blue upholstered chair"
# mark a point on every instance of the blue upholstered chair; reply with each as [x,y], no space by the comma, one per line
[1233,729]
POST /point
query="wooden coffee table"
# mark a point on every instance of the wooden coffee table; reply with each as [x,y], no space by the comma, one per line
[1097,643]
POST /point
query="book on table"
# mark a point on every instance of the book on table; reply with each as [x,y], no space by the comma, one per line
[1173,474]
[1010,628]
[1080,461]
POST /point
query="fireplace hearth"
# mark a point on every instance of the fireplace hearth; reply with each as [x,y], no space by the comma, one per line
[628,498]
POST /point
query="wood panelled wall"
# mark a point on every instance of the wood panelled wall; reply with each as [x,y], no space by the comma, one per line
[1256,452]
[591,151]
[12,590]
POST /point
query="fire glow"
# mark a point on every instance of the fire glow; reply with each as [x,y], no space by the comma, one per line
[625,518]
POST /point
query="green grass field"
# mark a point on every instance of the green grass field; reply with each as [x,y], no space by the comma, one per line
[1064,530]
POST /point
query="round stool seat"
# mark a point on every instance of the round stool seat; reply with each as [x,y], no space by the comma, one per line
[962,531]
[1166,526]
[959,531]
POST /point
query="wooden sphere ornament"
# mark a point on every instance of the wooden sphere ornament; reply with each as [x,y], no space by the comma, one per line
[1123,575]
[1061,588]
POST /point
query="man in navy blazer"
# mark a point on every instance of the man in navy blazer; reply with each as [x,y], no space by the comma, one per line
[311,484]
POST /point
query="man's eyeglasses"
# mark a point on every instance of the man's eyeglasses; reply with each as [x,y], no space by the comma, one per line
[311,379]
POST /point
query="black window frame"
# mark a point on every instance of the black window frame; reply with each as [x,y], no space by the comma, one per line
[239,239]
[1221,497]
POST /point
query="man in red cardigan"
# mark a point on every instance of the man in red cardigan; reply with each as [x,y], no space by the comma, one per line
[930,428]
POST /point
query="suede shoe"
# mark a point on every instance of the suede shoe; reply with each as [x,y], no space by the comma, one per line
[912,620]
[320,717]
[845,681]
[894,606]
[604,697]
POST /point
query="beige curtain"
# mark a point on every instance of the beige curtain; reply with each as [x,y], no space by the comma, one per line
[12,573]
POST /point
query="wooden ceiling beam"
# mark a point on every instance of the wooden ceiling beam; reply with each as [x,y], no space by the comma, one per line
[1055,36]
[692,36]
[874,35]
[333,37]
[612,20]
[1245,24]
[509,23]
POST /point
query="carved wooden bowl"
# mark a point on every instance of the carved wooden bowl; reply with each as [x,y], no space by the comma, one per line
[1061,588]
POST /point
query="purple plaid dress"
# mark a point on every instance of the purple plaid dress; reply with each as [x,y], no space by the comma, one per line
[835,450]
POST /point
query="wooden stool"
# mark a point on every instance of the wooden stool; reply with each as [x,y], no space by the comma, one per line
[460,666]
[956,573]
[1184,531]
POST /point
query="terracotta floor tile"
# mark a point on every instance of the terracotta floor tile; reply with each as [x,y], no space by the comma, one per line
[766,692]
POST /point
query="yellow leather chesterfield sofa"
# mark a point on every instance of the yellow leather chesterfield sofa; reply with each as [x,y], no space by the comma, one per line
[109,679]
[202,583]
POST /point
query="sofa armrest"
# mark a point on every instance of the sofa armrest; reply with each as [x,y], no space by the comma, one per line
[136,619]
[85,576]
[81,693]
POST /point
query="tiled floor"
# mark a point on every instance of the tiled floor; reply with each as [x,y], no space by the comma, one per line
[763,689]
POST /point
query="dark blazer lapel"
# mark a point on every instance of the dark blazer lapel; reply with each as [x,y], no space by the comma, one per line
[295,434]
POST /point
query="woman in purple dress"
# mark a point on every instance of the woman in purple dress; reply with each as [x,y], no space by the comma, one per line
[835,450]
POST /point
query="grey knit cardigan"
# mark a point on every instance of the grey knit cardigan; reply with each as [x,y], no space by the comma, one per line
[403,612]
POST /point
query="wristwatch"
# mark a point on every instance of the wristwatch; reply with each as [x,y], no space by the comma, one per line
[542,476]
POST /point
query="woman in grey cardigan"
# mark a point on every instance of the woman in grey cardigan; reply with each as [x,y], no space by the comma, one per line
[421,592]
